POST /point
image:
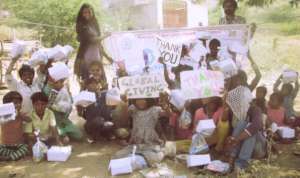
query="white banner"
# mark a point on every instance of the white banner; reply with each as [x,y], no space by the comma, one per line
[201,83]
[139,48]
[142,86]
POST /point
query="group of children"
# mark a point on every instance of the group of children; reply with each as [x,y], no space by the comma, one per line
[43,102]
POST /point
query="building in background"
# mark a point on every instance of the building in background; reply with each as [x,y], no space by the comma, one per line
[160,14]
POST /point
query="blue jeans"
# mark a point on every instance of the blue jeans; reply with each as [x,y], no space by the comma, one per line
[244,151]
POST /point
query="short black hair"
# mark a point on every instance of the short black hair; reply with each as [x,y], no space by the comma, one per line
[288,86]
[89,81]
[25,68]
[233,2]
[263,89]
[278,96]
[214,42]
[11,96]
[39,96]
[96,63]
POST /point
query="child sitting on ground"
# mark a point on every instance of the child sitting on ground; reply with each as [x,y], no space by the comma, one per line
[213,109]
[26,87]
[289,94]
[60,102]
[260,100]
[145,117]
[97,115]
[96,71]
[13,147]
[42,119]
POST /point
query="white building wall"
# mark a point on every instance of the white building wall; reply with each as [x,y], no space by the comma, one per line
[197,14]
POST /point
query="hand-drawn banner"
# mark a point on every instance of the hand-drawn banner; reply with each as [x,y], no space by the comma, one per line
[201,83]
[142,86]
[169,51]
[131,46]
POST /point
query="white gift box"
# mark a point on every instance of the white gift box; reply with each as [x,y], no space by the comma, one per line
[38,57]
[59,71]
[113,97]
[228,67]
[120,166]
[177,99]
[206,127]
[85,98]
[60,53]
[59,153]
[286,132]
[18,48]
[289,76]
[7,112]
[198,160]
[214,65]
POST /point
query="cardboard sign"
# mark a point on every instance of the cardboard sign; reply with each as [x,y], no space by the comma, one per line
[142,86]
[201,83]
[169,51]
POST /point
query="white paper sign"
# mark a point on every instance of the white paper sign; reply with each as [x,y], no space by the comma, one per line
[201,83]
[142,86]
[169,51]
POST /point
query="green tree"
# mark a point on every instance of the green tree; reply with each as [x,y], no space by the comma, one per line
[60,15]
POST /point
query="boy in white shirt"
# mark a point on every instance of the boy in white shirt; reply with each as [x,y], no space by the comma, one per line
[26,86]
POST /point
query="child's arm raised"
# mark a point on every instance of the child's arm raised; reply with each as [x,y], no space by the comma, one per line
[167,78]
[257,78]
[277,83]
[10,80]
[296,90]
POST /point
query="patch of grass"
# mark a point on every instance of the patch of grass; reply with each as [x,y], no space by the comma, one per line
[290,29]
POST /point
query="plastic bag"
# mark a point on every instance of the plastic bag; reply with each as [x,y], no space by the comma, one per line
[199,145]
[138,162]
[39,149]
[185,119]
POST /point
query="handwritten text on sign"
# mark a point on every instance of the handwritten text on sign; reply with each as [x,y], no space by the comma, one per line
[201,83]
[169,51]
[142,86]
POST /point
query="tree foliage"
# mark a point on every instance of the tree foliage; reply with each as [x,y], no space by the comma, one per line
[60,15]
[259,3]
